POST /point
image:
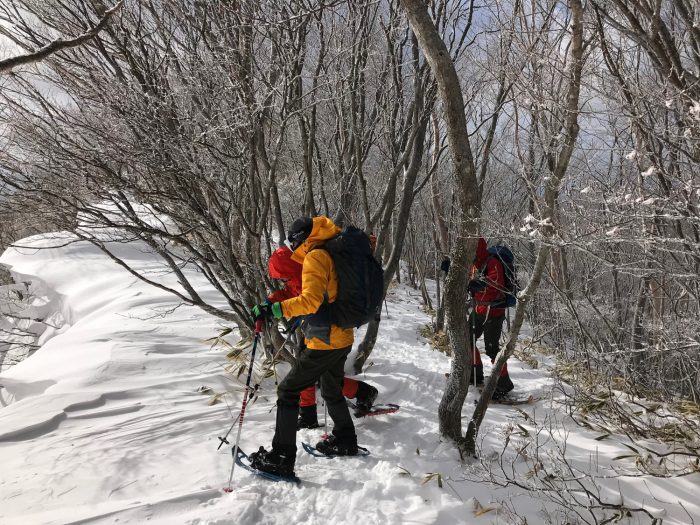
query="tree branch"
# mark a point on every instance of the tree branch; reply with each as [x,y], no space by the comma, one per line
[8,64]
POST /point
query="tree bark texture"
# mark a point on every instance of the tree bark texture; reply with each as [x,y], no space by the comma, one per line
[450,91]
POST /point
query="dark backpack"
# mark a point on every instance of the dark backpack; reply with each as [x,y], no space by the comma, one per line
[360,279]
[510,275]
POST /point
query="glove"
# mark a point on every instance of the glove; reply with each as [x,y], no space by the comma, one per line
[475,286]
[445,265]
[267,311]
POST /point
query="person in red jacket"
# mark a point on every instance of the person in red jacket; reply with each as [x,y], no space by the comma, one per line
[487,288]
[282,267]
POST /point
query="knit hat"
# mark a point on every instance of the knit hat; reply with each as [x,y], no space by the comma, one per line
[299,231]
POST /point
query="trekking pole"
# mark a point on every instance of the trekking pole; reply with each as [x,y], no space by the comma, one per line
[472,326]
[248,394]
[255,388]
[258,329]
[473,347]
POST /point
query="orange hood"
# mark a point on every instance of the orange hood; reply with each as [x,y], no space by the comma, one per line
[323,229]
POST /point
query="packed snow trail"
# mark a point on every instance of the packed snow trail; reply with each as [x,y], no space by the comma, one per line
[108,422]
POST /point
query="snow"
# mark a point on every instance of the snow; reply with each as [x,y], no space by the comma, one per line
[30,314]
[695,109]
[107,423]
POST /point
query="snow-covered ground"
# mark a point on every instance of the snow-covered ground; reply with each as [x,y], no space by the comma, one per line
[30,313]
[107,423]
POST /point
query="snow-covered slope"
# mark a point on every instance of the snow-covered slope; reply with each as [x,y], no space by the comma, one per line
[106,423]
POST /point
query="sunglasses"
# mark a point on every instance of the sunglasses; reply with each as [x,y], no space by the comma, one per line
[297,239]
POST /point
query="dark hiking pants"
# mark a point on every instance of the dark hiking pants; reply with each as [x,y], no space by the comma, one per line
[312,365]
[490,327]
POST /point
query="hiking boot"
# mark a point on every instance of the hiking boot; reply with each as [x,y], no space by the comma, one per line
[302,424]
[307,417]
[366,395]
[274,462]
[504,386]
[332,446]
[504,383]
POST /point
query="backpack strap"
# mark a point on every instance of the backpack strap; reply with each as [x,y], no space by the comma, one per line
[484,278]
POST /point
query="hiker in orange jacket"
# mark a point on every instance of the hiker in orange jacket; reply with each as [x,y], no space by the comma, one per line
[281,266]
[327,347]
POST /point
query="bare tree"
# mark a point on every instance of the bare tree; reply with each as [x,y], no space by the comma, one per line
[464,248]
[559,151]
[55,46]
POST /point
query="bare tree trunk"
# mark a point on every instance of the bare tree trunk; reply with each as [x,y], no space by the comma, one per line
[559,165]
[440,60]
[420,122]
[441,236]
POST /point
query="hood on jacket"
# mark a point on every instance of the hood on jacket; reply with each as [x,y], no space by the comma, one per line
[281,265]
[323,229]
[482,252]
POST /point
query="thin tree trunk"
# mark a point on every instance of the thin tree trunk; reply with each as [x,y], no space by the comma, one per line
[407,196]
[560,164]
[439,58]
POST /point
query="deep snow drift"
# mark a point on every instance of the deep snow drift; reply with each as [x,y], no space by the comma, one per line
[106,423]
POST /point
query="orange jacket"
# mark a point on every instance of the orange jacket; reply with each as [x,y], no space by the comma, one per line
[318,283]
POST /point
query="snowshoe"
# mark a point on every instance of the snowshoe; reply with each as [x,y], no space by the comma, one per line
[361,451]
[273,462]
[332,446]
[513,399]
[302,424]
[366,395]
[504,386]
[243,461]
[377,410]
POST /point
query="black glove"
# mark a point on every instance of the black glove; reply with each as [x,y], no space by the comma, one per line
[445,265]
[475,286]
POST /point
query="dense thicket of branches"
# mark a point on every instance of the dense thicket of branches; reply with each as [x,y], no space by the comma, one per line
[201,129]
[620,294]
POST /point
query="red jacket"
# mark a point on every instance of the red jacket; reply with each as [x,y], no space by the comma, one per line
[488,269]
[281,266]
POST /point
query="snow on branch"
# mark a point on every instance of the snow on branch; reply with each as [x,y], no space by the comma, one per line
[57,45]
